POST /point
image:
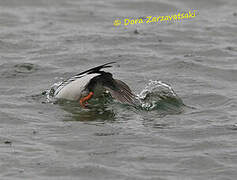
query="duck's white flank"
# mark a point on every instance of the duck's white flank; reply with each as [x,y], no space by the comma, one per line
[72,91]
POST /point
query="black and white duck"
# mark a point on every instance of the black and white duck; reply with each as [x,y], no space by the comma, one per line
[93,83]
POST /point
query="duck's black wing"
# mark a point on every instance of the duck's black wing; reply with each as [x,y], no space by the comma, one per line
[96,69]
[122,92]
[118,89]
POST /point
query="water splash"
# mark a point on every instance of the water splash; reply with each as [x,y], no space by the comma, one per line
[158,95]
[50,92]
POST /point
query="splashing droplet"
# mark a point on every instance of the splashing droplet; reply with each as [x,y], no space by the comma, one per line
[158,94]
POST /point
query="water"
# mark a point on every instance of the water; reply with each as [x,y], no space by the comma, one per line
[190,136]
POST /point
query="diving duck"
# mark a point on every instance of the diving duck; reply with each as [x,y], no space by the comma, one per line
[93,83]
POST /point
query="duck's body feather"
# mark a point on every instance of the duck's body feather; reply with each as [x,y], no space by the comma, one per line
[73,89]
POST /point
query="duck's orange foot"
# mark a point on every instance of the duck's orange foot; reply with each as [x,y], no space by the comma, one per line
[84,99]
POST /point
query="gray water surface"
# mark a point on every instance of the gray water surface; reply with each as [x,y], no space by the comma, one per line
[42,41]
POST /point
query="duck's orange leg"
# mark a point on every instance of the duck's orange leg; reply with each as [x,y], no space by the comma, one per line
[82,100]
